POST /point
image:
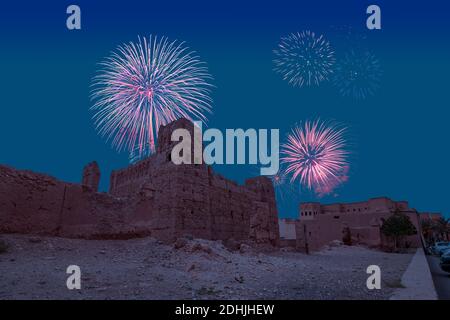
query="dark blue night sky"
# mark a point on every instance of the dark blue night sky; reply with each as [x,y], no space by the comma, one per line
[399,136]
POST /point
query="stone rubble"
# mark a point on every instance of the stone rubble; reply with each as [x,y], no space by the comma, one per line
[201,269]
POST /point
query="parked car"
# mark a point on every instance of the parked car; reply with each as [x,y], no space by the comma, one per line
[445,261]
[439,247]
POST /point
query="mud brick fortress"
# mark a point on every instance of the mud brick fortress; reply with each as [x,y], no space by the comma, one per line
[157,198]
[153,197]
[352,223]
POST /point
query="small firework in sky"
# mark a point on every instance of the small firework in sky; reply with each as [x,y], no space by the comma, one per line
[144,85]
[284,189]
[304,59]
[315,154]
[357,75]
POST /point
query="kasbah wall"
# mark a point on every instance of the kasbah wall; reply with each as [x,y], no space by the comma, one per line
[153,197]
[356,223]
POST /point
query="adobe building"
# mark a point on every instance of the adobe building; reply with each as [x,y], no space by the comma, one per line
[430,216]
[355,223]
[153,197]
[428,220]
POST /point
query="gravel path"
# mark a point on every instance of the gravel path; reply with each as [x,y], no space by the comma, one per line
[35,268]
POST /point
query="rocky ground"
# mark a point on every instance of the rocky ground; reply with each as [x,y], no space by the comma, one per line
[35,268]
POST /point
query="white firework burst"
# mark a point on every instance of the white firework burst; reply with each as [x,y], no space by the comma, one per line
[144,85]
[304,59]
[358,75]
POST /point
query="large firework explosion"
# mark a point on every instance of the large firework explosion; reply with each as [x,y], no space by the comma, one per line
[304,59]
[315,154]
[357,75]
[144,85]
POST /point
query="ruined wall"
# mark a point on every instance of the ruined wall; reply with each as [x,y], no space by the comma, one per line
[91,176]
[152,197]
[362,225]
[129,180]
[264,215]
[40,204]
[380,204]
[201,203]
[230,207]
[29,202]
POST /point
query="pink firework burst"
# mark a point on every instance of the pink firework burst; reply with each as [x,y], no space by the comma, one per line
[147,84]
[315,154]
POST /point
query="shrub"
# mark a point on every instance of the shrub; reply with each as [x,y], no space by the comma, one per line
[397,227]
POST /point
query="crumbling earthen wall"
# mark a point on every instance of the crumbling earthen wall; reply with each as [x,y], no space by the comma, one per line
[152,197]
[37,203]
[29,202]
[91,176]
[201,203]
[360,222]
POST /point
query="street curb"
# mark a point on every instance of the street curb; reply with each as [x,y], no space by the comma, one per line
[417,280]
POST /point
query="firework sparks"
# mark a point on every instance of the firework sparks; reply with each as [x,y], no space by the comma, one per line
[303,59]
[315,154]
[145,85]
[278,180]
[358,75]
[139,153]
[324,190]
[284,189]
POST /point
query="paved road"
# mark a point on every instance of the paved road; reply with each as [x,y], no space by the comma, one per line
[441,279]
